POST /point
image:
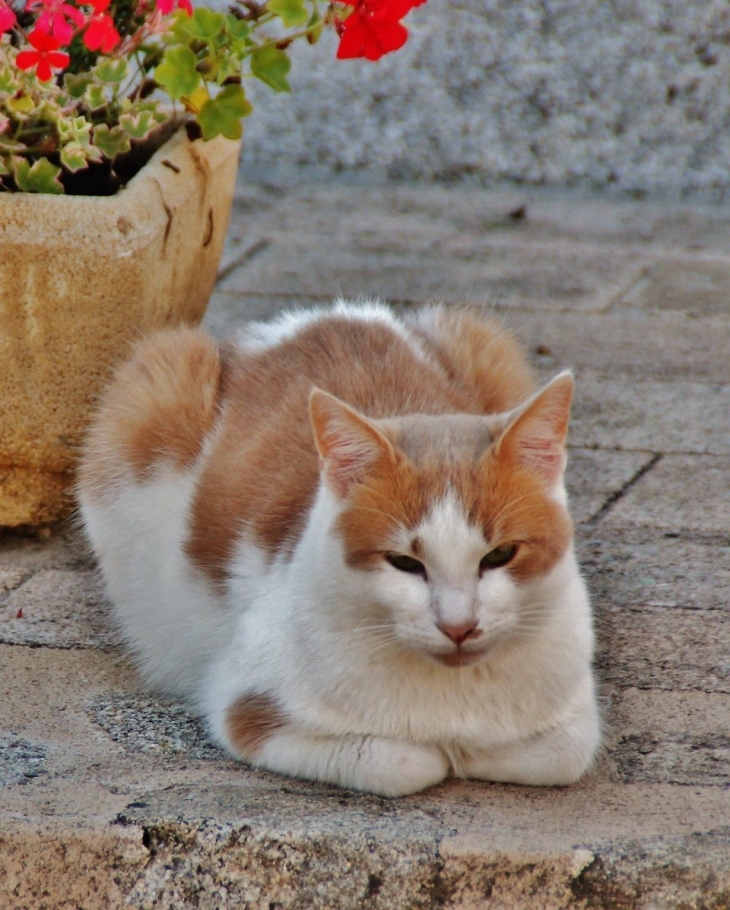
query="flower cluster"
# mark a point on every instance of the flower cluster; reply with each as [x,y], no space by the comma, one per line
[83,82]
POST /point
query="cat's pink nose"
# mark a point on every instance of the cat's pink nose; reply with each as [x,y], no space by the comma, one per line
[460,633]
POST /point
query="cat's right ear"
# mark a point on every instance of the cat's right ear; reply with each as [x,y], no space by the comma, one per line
[349,446]
[535,437]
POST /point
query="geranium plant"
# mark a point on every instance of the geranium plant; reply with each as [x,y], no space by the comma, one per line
[89,88]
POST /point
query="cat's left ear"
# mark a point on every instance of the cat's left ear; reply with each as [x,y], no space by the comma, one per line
[349,446]
[535,436]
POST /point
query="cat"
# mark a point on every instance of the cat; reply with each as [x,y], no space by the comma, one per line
[343,538]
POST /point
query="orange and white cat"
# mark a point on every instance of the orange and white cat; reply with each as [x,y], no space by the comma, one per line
[343,538]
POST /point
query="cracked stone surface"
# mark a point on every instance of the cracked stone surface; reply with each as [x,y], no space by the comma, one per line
[111,796]
[152,726]
[20,760]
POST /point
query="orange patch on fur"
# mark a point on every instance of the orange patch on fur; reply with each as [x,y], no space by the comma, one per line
[263,471]
[160,406]
[479,358]
[515,508]
[505,501]
[250,721]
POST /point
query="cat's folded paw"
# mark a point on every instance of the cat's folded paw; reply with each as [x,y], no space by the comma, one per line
[374,764]
[394,768]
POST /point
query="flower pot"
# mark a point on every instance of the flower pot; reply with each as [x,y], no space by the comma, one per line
[81,277]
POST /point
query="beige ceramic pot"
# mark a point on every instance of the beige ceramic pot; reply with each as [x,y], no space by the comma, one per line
[81,277]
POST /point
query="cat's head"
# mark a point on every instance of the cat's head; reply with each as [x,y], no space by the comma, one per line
[458,520]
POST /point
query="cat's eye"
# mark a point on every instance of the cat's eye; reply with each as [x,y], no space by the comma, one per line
[406,563]
[497,557]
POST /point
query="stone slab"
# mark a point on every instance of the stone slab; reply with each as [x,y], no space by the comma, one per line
[679,493]
[57,608]
[20,760]
[11,578]
[698,287]
[674,737]
[594,478]
[669,417]
[627,567]
[148,725]
[57,547]
[495,276]
[419,217]
[668,346]
[663,648]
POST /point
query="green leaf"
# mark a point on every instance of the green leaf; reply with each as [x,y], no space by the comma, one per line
[74,129]
[271,66]
[177,73]
[222,114]
[315,27]
[4,167]
[20,104]
[204,24]
[73,157]
[112,141]
[292,12]
[239,28]
[227,66]
[139,124]
[95,97]
[42,177]
[8,82]
[112,70]
[77,83]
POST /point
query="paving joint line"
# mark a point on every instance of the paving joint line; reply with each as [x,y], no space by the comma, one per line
[244,256]
[620,493]
[620,299]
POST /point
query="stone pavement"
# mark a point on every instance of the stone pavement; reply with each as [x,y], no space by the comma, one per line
[109,797]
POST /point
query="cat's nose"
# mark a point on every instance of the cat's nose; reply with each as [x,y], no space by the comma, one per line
[460,633]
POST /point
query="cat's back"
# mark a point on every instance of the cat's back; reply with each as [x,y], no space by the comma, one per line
[433,361]
[233,420]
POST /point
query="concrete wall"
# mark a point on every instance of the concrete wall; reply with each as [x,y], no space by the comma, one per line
[631,94]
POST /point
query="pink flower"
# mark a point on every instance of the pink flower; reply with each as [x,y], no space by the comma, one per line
[167,6]
[373,28]
[101,33]
[7,17]
[45,58]
[56,18]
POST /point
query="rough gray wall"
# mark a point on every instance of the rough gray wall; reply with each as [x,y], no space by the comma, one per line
[633,94]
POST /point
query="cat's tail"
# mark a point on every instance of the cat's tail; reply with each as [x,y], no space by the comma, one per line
[478,355]
[159,407]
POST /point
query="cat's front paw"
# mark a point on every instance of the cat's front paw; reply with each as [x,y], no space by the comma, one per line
[385,767]
[391,768]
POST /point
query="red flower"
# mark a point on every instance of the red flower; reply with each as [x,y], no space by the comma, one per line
[7,17]
[373,28]
[56,18]
[167,6]
[101,34]
[45,56]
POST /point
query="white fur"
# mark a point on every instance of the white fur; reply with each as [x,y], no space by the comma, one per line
[173,622]
[351,656]
[364,699]
[262,336]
